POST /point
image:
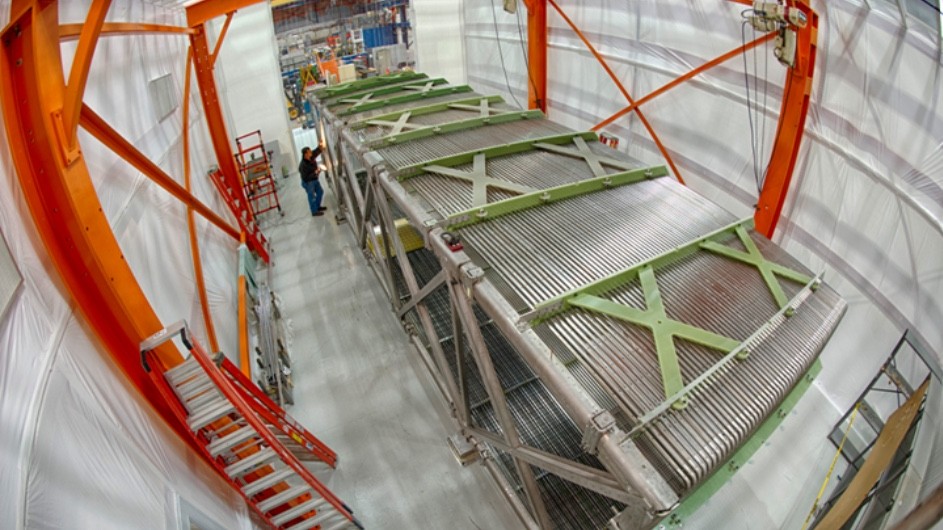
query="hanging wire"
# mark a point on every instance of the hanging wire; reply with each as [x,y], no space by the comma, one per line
[507,83]
[746,83]
[756,105]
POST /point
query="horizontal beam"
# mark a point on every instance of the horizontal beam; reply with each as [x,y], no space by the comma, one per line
[363,84]
[202,12]
[551,195]
[455,126]
[69,32]
[422,111]
[366,95]
[497,150]
[405,98]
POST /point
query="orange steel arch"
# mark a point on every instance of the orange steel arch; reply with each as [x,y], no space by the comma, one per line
[790,128]
[41,112]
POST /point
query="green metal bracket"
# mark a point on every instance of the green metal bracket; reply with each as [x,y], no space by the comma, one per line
[664,329]
[367,96]
[495,151]
[363,84]
[708,488]
[550,195]
[405,98]
[767,268]
[392,117]
[453,126]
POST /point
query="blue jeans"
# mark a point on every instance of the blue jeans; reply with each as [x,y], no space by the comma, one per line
[315,194]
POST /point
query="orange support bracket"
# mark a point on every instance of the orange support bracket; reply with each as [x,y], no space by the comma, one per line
[792,115]
[69,32]
[222,35]
[78,75]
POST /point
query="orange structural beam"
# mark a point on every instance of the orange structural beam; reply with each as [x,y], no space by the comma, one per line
[621,87]
[696,71]
[537,54]
[245,365]
[95,125]
[81,65]
[69,32]
[191,221]
[792,115]
[222,36]
[202,12]
[63,202]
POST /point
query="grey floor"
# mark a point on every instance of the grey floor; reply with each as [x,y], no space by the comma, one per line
[360,387]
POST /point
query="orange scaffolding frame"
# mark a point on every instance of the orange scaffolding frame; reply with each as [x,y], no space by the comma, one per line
[792,115]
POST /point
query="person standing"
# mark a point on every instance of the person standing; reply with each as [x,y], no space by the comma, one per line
[309,179]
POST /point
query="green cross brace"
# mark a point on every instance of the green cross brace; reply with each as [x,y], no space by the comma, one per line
[406,172]
[480,180]
[383,119]
[453,126]
[582,151]
[767,268]
[550,195]
[358,98]
[363,84]
[664,329]
[405,98]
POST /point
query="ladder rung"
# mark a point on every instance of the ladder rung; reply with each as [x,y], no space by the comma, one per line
[194,386]
[251,462]
[209,413]
[261,484]
[201,400]
[296,512]
[219,445]
[182,371]
[314,521]
[284,496]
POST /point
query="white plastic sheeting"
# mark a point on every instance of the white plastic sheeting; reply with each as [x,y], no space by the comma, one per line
[79,448]
[438,39]
[865,205]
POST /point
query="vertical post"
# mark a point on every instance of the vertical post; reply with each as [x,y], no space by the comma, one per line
[792,115]
[537,54]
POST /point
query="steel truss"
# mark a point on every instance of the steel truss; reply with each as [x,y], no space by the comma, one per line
[488,350]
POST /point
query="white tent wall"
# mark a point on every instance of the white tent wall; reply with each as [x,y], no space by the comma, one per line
[80,447]
[437,26]
[249,76]
[865,204]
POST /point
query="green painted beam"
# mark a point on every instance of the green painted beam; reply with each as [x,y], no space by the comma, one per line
[422,111]
[708,488]
[558,304]
[454,126]
[362,84]
[550,195]
[405,98]
[497,150]
[767,268]
[357,98]
[664,329]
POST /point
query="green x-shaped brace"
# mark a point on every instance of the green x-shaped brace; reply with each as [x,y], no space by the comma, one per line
[480,180]
[397,126]
[596,162]
[423,89]
[664,329]
[483,108]
[767,268]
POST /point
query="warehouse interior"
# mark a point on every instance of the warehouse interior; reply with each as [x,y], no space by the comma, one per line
[615,265]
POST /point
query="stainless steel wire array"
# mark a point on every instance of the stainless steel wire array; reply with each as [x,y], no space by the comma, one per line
[562,373]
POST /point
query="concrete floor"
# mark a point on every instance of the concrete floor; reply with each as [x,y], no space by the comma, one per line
[360,387]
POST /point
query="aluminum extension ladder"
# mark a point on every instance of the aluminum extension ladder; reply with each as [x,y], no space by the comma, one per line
[252,442]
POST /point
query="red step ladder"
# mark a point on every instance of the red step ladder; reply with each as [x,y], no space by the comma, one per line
[238,205]
[256,172]
[250,441]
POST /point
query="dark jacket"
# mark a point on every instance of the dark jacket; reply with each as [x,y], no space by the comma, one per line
[309,168]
